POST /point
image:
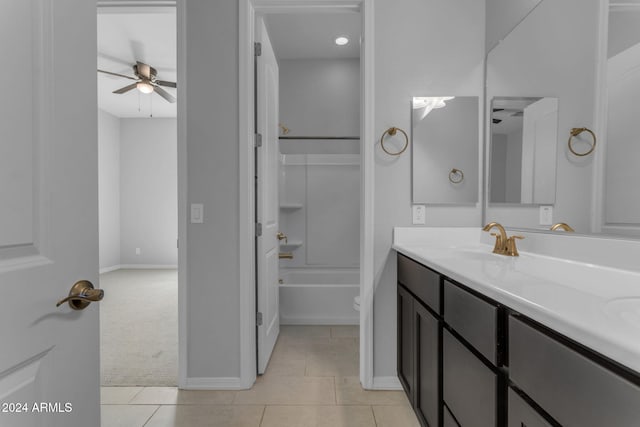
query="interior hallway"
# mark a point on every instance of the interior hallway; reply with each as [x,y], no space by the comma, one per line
[311,381]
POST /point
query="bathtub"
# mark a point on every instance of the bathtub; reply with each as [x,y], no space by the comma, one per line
[318,296]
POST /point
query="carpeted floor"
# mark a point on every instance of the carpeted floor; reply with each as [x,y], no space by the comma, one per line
[139,328]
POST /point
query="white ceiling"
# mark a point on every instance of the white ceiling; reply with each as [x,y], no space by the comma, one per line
[123,39]
[302,36]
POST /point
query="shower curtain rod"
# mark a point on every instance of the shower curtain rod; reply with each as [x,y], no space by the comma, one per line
[321,137]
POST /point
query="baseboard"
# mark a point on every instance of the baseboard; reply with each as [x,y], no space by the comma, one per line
[386,383]
[109,269]
[284,320]
[149,266]
[214,383]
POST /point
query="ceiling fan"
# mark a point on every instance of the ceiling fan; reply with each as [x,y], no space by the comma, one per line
[146,81]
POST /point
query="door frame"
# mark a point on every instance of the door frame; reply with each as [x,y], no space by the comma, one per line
[247,271]
[161,6]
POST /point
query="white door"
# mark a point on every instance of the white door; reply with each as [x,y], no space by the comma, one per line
[539,136]
[267,161]
[49,356]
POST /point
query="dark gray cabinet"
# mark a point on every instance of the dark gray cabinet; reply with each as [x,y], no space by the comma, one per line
[521,414]
[427,366]
[467,361]
[405,341]
[419,340]
[469,386]
[571,387]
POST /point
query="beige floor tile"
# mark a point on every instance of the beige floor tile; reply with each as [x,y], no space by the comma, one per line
[350,392]
[206,416]
[287,367]
[318,416]
[126,415]
[118,395]
[395,416]
[274,390]
[305,331]
[342,331]
[332,365]
[173,396]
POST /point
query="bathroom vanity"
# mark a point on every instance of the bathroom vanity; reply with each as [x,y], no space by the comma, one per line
[529,341]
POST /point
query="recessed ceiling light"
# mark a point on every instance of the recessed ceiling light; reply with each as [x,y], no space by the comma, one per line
[342,40]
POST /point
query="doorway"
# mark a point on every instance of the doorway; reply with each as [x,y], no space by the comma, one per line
[138,195]
[316,132]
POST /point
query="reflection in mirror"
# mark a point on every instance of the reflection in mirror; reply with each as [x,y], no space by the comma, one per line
[621,206]
[503,16]
[445,147]
[523,150]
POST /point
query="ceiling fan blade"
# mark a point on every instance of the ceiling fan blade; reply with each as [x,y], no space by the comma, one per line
[164,83]
[126,88]
[116,74]
[144,69]
[163,93]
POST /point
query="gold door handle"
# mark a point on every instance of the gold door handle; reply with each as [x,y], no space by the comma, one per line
[285,255]
[281,236]
[82,294]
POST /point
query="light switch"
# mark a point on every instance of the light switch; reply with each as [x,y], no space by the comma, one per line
[419,214]
[546,215]
[197,213]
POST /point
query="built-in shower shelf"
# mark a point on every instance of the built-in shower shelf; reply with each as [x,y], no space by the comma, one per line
[290,246]
[291,206]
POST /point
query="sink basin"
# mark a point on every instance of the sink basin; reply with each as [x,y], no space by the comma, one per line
[626,309]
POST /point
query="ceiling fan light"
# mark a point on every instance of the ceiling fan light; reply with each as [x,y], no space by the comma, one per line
[144,87]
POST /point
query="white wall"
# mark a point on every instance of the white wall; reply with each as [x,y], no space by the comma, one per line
[321,97]
[137,191]
[421,48]
[148,192]
[109,189]
[624,29]
[212,162]
[503,16]
[553,54]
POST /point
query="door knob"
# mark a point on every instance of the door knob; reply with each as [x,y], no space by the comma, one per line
[281,236]
[82,294]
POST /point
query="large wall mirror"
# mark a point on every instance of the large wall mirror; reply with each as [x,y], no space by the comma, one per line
[541,80]
[621,204]
[522,164]
[445,149]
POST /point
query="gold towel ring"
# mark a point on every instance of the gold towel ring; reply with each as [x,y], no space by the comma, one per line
[454,174]
[392,131]
[576,132]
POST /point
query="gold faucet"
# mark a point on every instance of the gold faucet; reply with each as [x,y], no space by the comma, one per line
[504,245]
[510,246]
[501,239]
[562,225]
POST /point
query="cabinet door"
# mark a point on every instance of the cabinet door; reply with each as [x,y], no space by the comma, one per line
[570,387]
[469,386]
[523,415]
[405,341]
[427,365]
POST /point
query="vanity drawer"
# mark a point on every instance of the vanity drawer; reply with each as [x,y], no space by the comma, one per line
[469,386]
[447,418]
[569,386]
[521,414]
[474,319]
[422,282]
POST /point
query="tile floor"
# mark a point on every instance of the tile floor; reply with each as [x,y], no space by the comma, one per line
[311,381]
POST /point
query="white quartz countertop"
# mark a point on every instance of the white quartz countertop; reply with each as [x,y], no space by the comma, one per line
[595,305]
